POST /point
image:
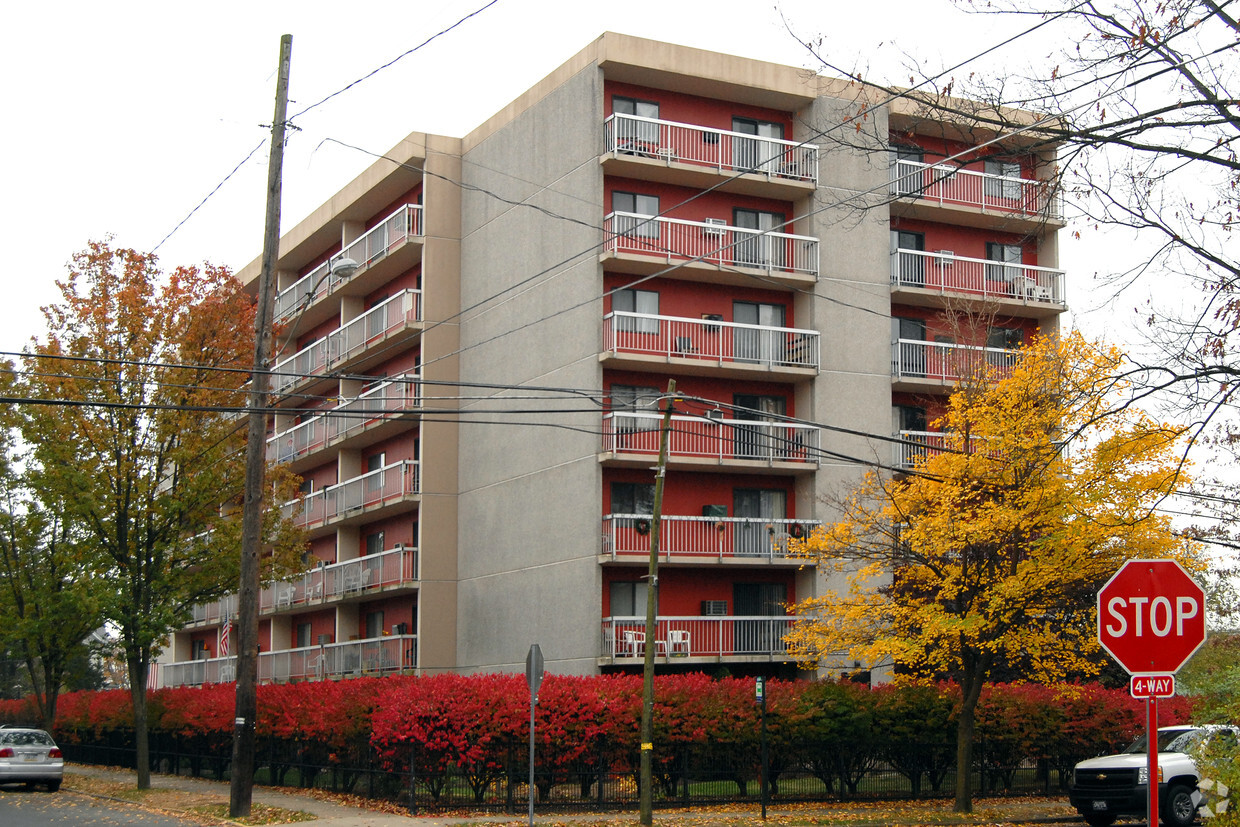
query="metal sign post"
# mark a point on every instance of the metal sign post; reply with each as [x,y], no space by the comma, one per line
[533,676]
[760,696]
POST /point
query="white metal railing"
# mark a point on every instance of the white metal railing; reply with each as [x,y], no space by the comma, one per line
[215,611]
[949,184]
[394,567]
[346,341]
[710,437]
[397,228]
[710,537]
[707,340]
[401,393]
[673,239]
[916,446]
[947,272]
[373,656]
[720,149]
[949,362]
[716,637]
[370,490]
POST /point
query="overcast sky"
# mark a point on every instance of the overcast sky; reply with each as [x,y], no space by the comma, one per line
[122,117]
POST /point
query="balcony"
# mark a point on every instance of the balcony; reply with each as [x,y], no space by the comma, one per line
[977,199]
[639,341]
[346,346]
[707,251]
[206,614]
[385,251]
[631,438]
[349,420]
[930,279]
[374,656]
[744,540]
[371,492]
[915,446]
[395,568]
[918,365]
[700,157]
[690,639]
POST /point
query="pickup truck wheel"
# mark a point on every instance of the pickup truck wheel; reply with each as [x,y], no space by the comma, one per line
[1099,819]
[1177,808]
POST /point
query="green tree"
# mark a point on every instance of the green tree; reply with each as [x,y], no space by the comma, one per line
[126,411]
[992,550]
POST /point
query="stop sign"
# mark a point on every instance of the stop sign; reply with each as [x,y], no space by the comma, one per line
[1151,616]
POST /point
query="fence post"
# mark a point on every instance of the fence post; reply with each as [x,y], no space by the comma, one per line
[413,801]
[601,770]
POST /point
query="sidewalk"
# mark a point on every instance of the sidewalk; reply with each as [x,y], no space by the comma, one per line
[179,795]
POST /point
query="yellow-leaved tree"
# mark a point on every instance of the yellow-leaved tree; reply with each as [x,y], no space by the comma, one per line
[991,550]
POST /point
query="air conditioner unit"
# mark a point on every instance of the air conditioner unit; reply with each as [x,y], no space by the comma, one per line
[714,608]
[945,258]
[715,226]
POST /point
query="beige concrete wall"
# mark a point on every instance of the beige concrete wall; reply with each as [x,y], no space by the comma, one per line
[530,494]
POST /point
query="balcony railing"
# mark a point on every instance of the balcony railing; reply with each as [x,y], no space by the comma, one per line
[946,272]
[371,490]
[948,184]
[671,240]
[396,229]
[708,437]
[916,446]
[719,149]
[347,341]
[395,567]
[733,538]
[216,610]
[373,656]
[399,394]
[697,637]
[710,341]
[944,362]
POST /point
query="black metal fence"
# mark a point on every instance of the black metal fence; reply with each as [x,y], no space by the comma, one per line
[605,779]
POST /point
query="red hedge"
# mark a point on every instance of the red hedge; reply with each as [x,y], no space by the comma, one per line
[473,720]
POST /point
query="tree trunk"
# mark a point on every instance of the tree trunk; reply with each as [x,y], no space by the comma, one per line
[137,692]
[970,690]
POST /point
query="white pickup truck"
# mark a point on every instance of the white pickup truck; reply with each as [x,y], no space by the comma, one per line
[1103,789]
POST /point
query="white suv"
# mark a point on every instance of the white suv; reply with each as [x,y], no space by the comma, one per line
[1103,789]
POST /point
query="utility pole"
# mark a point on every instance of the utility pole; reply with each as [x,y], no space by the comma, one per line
[652,608]
[242,783]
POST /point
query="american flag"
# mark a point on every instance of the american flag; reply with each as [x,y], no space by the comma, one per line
[224,638]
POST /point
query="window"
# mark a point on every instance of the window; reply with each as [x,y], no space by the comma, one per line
[374,624]
[1005,338]
[645,302]
[764,340]
[632,135]
[763,436]
[635,399]
[908,267]
[374,543]
[910,418]
[628,599]
[1010,270]
[1005,180]
[909,353]
[303,634]
[759,248]
[755,154]
[907,163]
[638,220]
[632,498]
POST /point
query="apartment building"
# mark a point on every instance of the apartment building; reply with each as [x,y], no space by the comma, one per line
[477,337]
